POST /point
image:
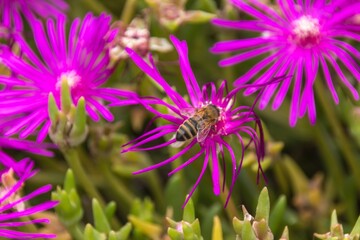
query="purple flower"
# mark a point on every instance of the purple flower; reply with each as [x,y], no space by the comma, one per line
[206,119]
[296,41]
[81,59]
[11,11]
[24,145]
[12,204]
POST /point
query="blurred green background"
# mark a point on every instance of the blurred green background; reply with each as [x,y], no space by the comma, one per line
[311,170]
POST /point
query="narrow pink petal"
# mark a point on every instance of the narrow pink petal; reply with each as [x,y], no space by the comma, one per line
[149,139]
[256,69]
[269,11]
[311,69]
[288,9]
[349,48]
[104,111]
[92,113]
[349,62]
[206,161]
[153,73]
[345,12]
[342,77]
[189,161]
[255,13]
[241,57]
[19,224]
[247,25]
[11,234]
[278,100]
[187,73]
[239,44]
[169,160]
[215,174]
[269,91]
[294,105]
[328,79]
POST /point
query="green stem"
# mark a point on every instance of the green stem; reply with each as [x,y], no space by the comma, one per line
[95,6]
[156,188]
[72,158]
[128,11]
[31,228]
[230,209]
[75,232]
[343,142]
[334,169]
[118,188]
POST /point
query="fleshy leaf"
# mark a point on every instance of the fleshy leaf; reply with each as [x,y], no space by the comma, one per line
[100,221]
[263,207]
[217,230]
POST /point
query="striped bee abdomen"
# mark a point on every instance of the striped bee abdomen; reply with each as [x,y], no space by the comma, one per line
[187,130]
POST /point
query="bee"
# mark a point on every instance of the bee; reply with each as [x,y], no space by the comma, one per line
[198,124]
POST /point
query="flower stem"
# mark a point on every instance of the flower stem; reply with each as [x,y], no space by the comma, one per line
[72,157]
[95,6]
[342,140]
[31,228]
[230,209]
[75,232]
[156,188]
[119,189]
[335,170]
[128,11]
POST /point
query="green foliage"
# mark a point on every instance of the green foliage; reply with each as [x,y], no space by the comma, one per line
[311,169]
[68,124]
[69,209]
[337,232]
[258,227]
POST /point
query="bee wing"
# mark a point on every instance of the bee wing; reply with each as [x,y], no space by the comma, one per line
[187,112]
[203,131]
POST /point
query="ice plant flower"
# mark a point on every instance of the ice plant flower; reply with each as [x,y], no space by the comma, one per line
[297,40]
[25,145]
[82,60]
[219,118]
[11,11]
[13,206]
[136,36]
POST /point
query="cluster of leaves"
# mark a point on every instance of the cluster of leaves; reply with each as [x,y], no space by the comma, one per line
[142,221]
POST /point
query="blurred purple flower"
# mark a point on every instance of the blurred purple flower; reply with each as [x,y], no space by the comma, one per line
[82,60]
[11,11]
[13,206]
[221,118]
[24,145]
[297,40]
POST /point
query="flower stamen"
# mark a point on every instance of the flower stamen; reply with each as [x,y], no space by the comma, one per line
[306,31]
[71,77]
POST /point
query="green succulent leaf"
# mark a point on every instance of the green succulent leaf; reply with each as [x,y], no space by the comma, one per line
[91,233]
[189,211]
[356,229]
[247,231]
[217,233]
[263,207]
[277,215]
[100,220]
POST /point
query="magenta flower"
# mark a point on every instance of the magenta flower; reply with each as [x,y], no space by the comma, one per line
[296,40]
[82,60]
[11,11]
[13,207]
[205,120]
[24,145]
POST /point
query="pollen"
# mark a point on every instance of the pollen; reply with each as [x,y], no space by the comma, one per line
[306,31]
[71,77]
